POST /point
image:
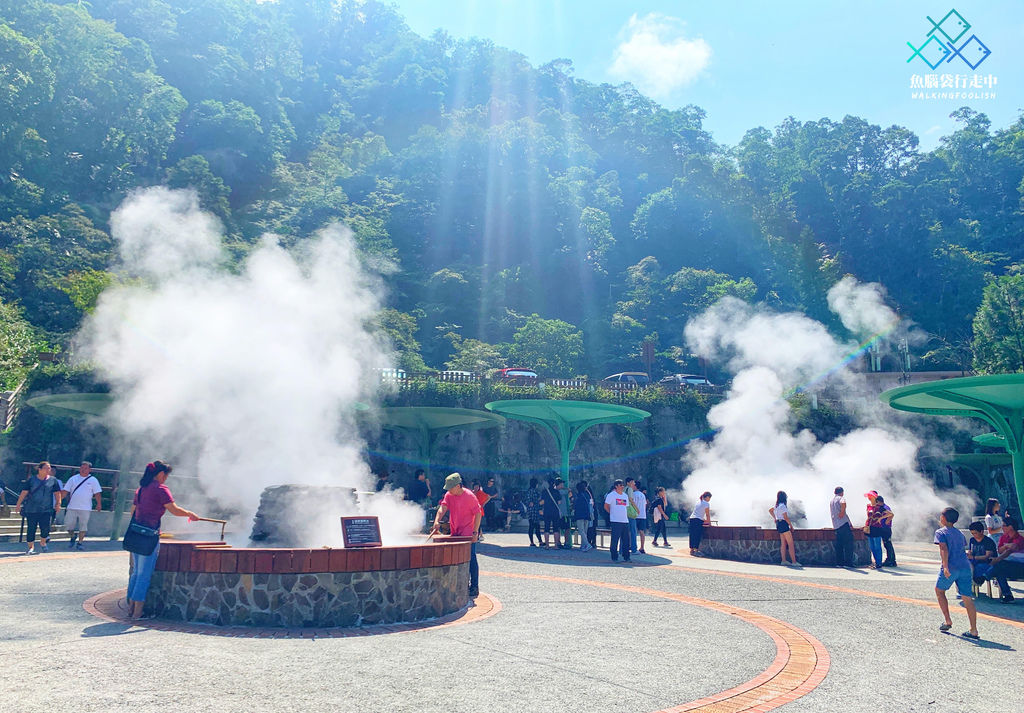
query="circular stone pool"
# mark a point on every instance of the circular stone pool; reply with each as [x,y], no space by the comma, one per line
[213,583]
[755,544]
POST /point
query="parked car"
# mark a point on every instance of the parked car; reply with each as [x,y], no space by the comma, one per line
[685,381]
[516,376]
[626,380]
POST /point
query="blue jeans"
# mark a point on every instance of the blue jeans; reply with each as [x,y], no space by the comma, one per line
[474,568]
[875,543]
[619,542]
[632,534]
[982,571]
[142,572]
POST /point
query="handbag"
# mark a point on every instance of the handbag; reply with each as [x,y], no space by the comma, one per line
[140,539]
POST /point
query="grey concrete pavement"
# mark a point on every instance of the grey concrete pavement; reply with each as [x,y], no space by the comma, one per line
[554,646]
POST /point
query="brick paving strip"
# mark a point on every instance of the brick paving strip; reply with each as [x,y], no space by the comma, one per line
[109,606]
[801,661]
[677,554]
[847,590]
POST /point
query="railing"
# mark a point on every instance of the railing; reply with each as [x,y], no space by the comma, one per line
[400,379]
[10,405]
[109,479]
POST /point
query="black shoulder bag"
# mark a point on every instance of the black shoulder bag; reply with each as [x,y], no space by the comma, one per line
[140,539]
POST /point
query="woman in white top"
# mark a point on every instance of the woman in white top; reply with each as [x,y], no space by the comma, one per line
[699,519]
[784,527]
[993,522]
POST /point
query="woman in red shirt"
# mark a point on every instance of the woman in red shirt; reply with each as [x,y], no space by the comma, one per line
[152,499]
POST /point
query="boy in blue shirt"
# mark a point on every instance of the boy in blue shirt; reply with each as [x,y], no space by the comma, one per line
[955,568]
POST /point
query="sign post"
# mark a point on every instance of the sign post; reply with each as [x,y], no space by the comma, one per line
[360,531]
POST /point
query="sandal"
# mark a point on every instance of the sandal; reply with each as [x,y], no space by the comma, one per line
[969,635]
[945,627]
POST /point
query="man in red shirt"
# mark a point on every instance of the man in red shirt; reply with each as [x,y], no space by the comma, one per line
[1010,560]
[464,518]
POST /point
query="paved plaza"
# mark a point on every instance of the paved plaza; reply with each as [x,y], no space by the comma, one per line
[556,631]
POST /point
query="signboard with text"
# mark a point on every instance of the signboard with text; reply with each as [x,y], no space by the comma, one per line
[360,531]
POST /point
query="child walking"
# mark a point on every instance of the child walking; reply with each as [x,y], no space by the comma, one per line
[956,568]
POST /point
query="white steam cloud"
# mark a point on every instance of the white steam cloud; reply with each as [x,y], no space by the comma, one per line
[755,452]
[250,377]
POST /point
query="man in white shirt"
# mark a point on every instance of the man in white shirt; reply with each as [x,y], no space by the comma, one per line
[843,529]
[82,489]
[615,504]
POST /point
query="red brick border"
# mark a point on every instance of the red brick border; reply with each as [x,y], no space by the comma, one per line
[186,556]
[801,661]
[110,606]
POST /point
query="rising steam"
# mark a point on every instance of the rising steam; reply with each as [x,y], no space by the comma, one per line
[249,378]
[755,451]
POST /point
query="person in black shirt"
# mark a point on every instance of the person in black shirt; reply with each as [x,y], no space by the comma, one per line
[981,550]
[491,508]
[419,491]
[40,496]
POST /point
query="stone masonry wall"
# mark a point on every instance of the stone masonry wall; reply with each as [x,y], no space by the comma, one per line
[212,583]
[754,544]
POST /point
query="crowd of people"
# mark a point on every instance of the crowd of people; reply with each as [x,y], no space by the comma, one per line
[552,511]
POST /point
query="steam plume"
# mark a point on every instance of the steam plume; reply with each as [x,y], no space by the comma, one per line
[755,451]
[251,377]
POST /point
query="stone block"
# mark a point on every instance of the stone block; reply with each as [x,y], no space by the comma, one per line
[319,560]
[338,560]
[264,562]
[282,561]
[228,562]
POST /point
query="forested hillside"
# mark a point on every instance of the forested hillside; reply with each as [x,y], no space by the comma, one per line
[500,190]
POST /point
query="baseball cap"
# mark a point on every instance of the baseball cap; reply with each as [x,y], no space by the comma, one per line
[452,480]
[871,494]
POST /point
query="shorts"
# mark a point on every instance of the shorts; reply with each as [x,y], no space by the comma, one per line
[781,526]
[961,577]
[76,520]
[641,524]
[552,523]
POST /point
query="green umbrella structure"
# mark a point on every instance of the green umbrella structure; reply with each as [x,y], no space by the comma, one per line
[566,420]
[426,425]
[997,399]
[990,440]
[80,406]
[72,405]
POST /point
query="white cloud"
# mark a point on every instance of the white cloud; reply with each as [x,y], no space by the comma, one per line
[656,56]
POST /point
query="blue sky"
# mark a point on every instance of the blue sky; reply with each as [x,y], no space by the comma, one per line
[753,64]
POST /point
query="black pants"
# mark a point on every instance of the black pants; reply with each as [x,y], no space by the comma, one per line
[620,541]
[844,545]
[659,529]
[890,553]
[42,521]
[534,528]
[696,533]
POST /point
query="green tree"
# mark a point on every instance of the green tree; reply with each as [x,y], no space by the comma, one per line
[194,172]
[999,327]
[549,346]
[400,328]
[17,344]
[473,355]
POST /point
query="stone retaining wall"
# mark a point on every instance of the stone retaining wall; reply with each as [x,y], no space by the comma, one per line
[754,544]
[212,583]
